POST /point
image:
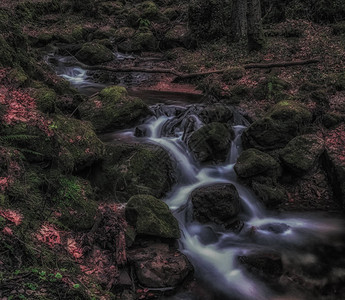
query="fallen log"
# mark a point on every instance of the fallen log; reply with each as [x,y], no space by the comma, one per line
[180,75]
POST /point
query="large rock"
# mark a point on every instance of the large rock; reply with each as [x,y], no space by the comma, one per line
[131,169]
[151,216]
[112,109]
[216,113]
[265,264]
[93,53]
[278,127]
[302,152]
[178,36]
[253,162]
[157,266]
[218,203]
[211,142]
[334,161]
[270,194]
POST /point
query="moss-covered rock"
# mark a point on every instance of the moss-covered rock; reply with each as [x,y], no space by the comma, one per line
[143,39]
[151,216]
[148,10]
[123,33]
[302,152]
[218,203]
[112,108]
[6,53]
[74,199]
[45,99]
[111,7]
[270,195]
[272,88]
[233,73]
[178,36]
[130,169]
[79,146]
[211,142]
[282,123]
[93,53]
[253,162]
[216,113]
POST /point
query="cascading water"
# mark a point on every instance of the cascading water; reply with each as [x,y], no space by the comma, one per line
[214,252]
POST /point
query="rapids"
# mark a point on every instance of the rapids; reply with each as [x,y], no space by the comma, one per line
[214,251]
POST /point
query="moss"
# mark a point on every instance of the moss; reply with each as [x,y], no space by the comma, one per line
[45,99]
[332,119]
[112,8]
[211,142]
[77,142]
[149,10]
[253,162]
[75,200]
[18,76]
[282,123]
[143,39]
[123,33]
[131,169]
[272,88]
[233,73]
[302,152]
[112,109]
[151,216]
[270,195]
[6,53]
[94,53]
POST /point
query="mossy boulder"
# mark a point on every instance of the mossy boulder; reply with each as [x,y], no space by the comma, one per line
[45,99]
[123,33]
[79,146]
[94,53]
[272,88]
[271,195]
[253,162]
[130,169]
[218,203]
[216,113]
[233,73]
[112,108]
[74,199]
[112,7]
[211,142]
[143,39]
[178,36]
[302,152]
[148,10]
[6,53]
[151,216]
[283,122]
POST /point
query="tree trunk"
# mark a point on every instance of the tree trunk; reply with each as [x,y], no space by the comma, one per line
[256,38]
[239,20]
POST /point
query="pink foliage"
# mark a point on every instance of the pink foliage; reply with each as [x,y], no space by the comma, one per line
[12,216]
[49,235]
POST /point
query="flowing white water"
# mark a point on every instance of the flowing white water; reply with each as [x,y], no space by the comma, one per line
[213,251]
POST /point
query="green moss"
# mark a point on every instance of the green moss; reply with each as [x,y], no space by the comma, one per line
[6,53]
[270,195]
[75,200]
[18,76]
[143,39]
[282,123]
[45,99]
[211,142]
[79,145]
[112,109]
[151,216]
[253,162]
[123,33]
[94,53]
[149,10]
[302,152]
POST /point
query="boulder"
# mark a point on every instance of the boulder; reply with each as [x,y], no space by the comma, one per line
[270,194]
[216,113]
[93,53]
[334,161]
[151,216]
[218,203]
[112,109]
[157,266]
[178,36]
[130,169]
[302,152]
[142,39]
[211,142]
[281,124]
[253,162]
[265,264]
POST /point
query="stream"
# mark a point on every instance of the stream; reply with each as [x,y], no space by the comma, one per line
[303,240]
